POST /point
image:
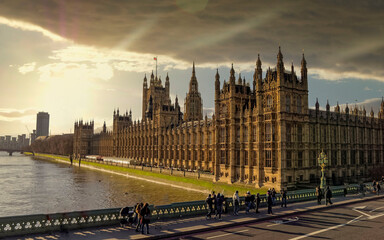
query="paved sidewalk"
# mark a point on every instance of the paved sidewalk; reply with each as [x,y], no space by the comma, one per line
[178,227]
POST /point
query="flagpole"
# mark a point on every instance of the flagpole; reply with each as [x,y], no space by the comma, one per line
[156,66]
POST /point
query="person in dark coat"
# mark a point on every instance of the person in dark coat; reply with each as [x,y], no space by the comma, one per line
[135,216]
[258,200]
[219,205]
[209,203]
[283,198]
[270,203]
[251,201]
[319,195]
[145,213]
[214,203]
[328,196]
[138,210]
[273,196]
[378,188]
[247,201]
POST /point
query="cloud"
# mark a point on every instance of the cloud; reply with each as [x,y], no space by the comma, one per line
[340,40]
[31,27]
[28,67]
[25,115]
[74,72]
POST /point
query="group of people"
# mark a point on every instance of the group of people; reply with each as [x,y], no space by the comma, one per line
[140,216]
[215,205]
[215,202]
[327,193]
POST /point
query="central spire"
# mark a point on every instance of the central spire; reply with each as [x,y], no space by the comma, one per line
[193,70]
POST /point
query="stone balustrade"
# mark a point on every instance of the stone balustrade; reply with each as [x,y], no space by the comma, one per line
[42,223]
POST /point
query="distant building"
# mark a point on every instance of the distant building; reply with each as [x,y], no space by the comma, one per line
[14,143]
[33,136]
[42,124]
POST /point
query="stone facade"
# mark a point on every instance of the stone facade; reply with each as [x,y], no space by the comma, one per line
[261,136]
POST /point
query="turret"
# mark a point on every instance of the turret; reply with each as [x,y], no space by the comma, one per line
[382,105]
[145,84]
[347,109]
[239,80]
[232,78]
[167,85]
[152,79]
[104,128]
[327,107]
[372,113]
[304,70]
[317,105]
[217,85]
[280,67]
[193,106]
[337,108]
[257,76]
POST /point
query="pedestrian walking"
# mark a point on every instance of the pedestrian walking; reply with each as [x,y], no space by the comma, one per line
[270,203]
[209,203]
[362,189]
[378,188]
[138,211]
[319,195]
[219,205]
[345,191]
[145,213]
[71,159]
[283,198]
[236,203]
[79,161]
[274,196]
[328,196]
[374,186]
[258,200]
[135,215]
[249,201]
[214,203]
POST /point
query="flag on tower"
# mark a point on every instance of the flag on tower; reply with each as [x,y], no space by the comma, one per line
[155,58]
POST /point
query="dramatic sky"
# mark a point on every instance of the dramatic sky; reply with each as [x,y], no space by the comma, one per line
[81,59]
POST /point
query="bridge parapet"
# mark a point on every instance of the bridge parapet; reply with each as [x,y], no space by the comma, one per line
[42,223]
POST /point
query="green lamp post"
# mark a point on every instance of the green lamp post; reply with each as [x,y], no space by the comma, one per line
[323,161]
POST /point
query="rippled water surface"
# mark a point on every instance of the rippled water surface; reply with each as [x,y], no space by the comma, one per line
[30,186]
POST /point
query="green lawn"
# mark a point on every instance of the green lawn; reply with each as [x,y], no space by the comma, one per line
[227,189]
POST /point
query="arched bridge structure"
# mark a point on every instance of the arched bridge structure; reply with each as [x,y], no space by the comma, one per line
[10,151]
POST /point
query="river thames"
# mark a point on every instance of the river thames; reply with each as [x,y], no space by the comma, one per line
[30,186]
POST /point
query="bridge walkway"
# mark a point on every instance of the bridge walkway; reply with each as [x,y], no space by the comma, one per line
[183,226]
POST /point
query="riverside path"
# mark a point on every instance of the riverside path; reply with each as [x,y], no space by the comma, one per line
[299,220]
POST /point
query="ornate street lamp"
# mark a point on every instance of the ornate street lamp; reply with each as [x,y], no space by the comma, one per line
[323,161]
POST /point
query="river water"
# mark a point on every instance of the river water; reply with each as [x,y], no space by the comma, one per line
[30,186]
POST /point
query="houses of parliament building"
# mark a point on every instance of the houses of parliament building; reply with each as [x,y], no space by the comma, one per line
[263,136]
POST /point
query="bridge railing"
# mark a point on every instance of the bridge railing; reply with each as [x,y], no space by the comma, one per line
[42,223]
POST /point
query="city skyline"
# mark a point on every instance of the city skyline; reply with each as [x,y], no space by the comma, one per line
[58,62]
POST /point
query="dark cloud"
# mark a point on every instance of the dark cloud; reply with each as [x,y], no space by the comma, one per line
[17,114]
[342,36]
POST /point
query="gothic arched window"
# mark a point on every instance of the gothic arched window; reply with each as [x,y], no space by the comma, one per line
[269,101]
[287,103]
[298,104]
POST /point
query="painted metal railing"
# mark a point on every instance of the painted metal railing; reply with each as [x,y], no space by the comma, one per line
[42,223]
